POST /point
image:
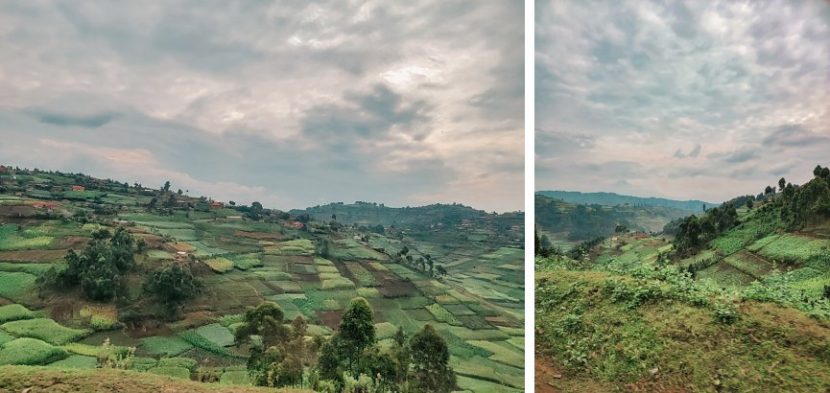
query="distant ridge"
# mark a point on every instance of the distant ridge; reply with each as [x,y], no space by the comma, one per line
[613,199]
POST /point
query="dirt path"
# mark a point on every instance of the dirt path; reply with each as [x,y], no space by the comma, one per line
[547,375]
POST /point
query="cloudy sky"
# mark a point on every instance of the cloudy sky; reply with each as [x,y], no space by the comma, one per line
[292,104]
[694,99]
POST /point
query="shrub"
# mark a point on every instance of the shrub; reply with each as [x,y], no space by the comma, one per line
[725,314]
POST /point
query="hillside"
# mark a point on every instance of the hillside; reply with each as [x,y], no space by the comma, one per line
[568,223]
[432,216]
[463,279]
[614,199]
[738,300]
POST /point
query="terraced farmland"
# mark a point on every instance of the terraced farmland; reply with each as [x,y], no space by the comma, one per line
[476,307]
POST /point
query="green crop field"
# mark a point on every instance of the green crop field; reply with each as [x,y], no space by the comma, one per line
[44,329]
[29,351]
[14,312]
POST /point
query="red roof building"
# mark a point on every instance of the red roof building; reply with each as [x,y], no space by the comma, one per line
[78,188]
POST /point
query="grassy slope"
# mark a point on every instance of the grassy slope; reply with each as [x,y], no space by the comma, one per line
[670,345]
[43,379]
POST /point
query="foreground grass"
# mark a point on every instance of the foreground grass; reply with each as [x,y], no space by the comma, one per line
[650,335]
[42,379]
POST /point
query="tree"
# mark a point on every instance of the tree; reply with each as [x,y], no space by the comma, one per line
[172,285]
[430,362]
[441,270]
[825,173]
[400,352]
[749,204]
[781,184]
[817,171]
[166,187]
[356,331]
[265,321]
[278,358]
[98,268]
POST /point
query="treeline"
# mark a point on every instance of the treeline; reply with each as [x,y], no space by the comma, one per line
[694,232]
[350,361]
[799,205]
[99,271]
[788,206]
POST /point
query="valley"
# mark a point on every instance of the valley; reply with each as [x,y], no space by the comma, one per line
[455,268]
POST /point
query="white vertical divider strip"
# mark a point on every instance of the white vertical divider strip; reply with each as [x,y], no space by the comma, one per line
[530,155]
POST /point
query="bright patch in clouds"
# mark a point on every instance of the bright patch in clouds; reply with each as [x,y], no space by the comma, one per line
[682,99]
[292,104]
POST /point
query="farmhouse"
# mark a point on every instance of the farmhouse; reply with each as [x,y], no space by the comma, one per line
[216,205]
[78,188]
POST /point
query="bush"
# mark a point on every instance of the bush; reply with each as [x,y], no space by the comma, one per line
[725,314]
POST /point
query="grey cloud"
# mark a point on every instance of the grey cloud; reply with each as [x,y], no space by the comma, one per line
[736,156]
[366,115]
[693,153]
[293,96]
[793,135]
[65,120]
[658,79]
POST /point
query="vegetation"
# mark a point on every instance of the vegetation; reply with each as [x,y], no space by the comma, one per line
[173,285]
[198,265]
[99,267]
[734,302]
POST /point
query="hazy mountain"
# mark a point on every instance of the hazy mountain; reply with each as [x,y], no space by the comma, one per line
[613,199]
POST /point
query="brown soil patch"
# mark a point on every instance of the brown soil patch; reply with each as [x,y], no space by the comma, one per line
[153,241]
[180,246]
[18,211]
[330,318]
[395,288]
[33,256]
[552,378]
[502,321]
[307,277]
[73,242]
[259,235]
